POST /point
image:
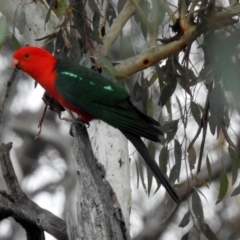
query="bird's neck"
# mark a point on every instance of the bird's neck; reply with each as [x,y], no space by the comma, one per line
[44,73]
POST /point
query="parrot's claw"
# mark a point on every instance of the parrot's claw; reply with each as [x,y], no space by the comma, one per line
[80,123]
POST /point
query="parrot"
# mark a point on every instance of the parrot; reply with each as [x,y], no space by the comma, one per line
[92,96]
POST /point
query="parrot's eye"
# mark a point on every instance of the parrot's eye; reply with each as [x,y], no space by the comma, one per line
[26,55]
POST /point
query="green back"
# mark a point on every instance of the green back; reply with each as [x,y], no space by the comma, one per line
[101,98]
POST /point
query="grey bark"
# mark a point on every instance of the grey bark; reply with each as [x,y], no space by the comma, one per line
[99,213]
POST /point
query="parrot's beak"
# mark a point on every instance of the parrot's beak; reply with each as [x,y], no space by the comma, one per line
[15,63]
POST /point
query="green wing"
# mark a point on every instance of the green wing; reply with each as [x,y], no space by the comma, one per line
[103,99]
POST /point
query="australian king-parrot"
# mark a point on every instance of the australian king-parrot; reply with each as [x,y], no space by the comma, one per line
[92,96]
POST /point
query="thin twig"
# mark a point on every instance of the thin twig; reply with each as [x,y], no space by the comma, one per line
[41,122]
[9,84]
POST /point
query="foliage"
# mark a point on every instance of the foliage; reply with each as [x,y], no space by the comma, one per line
[191,85]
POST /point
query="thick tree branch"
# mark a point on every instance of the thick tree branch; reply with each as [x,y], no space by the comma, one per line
[9,84]
[153,55]
[99,213]
[116,28]
[22,209]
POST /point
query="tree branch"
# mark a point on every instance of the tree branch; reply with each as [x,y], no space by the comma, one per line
[22,209]
[99,213]
[116,28]
[153,55]
[9,84]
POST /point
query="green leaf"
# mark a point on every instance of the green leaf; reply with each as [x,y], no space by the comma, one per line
[195,112]
[94,6]
[180,109]
[140,92]
[157,14]
[178,157]
[235,163]
[209,233]
[194,234]
[153,79]
[15,43]
[145,6]
[223,187]
[209,169]
[107,64]
[137,92]
[111,14]
[149,106]
[163,159]
[19,19]
[48,14]
[152,150]
[3,30]
[185,236]
[217,105]
[198,210]
[201,182]
[192,157]
[175,171]
[120,5]
[140,167]
[144,85]
[137,171]
[167,92]
[212,125]
[185,220]
[236,9]
[168,106]
[150,180]
[236,191]
[170,128]
[198,190]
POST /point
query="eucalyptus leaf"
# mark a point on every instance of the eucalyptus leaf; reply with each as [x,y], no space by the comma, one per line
[235,163]
[170,128]
[236,191]
[92,4]
[19,19]
[185,220]
[198,210]
[163,159]
[15,43]
[149,106]
[178,157]
[209,169]
[210,235]
[152,151]
[108,65]
[3,30]
[223,187]
[195,112]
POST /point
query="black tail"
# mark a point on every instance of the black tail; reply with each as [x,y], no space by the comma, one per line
[142,149]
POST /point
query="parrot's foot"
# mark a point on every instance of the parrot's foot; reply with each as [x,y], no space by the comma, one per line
[80,123]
